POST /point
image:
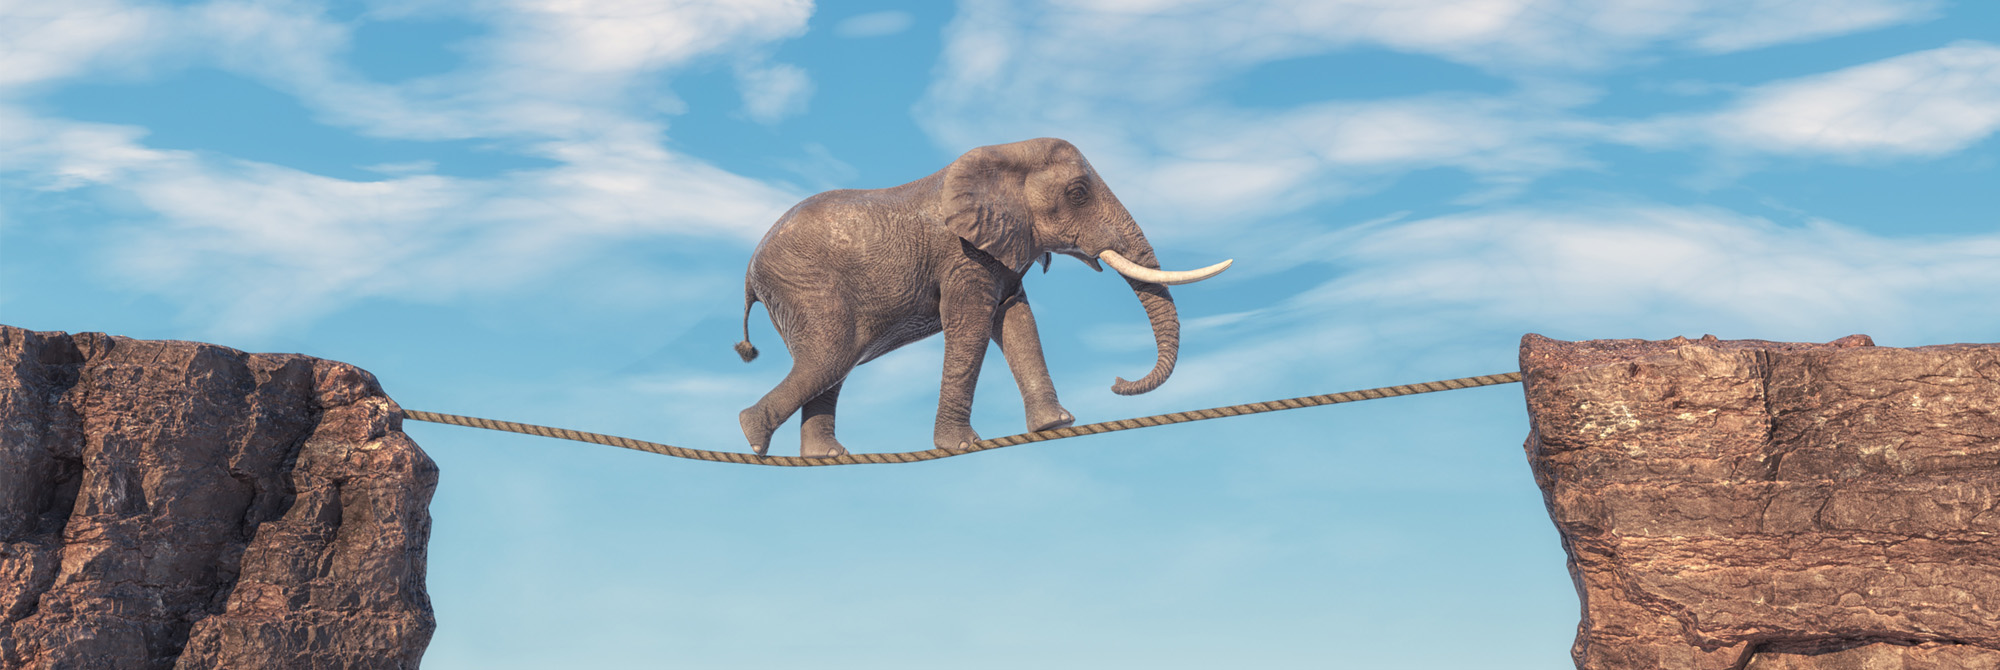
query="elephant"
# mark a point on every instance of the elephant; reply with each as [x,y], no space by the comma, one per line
[849,275]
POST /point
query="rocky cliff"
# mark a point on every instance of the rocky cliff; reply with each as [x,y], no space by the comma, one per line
[181,505]
[1773,506]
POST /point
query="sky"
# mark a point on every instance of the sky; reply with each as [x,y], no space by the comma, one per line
[541,210]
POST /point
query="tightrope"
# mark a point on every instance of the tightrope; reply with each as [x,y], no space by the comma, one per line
[982,445]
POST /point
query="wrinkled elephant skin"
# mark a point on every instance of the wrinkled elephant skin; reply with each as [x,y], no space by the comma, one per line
[849,275]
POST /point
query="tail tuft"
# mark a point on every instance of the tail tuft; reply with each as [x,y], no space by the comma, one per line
[749,353]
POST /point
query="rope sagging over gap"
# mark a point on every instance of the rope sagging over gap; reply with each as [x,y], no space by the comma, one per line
[983,445]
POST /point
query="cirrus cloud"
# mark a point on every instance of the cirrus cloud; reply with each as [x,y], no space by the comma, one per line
[1924,103]
[248,246]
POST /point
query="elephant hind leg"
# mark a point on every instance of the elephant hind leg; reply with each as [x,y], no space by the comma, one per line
[816,427]
[817,366]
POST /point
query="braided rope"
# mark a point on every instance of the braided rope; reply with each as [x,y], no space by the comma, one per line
[982,445]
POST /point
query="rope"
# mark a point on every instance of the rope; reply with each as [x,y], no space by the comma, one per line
[982,445]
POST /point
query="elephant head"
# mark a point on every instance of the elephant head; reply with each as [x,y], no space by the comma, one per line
[1024,201]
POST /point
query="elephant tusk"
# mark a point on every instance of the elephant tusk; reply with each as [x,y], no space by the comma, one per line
[1146,274]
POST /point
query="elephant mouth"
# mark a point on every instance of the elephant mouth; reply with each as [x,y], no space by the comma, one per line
[1079,255]
[1168,277]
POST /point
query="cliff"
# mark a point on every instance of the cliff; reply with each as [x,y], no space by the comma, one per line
[182,505]
[1773,506]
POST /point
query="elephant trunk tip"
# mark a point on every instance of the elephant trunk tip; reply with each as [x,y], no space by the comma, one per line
[1144,385]
[748,352]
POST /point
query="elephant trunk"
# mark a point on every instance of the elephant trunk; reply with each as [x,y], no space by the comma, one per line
[1159,304]
[1160,311]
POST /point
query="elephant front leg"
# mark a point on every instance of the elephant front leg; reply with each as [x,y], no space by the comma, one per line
[1014,330]
[967,314]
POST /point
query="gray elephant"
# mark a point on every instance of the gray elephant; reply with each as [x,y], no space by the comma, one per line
[849,275]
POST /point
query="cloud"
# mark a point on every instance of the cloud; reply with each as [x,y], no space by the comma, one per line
[1920,104]
[550,68]
[772,93]
[541,67]
[1740,26]
[873,24]
[403,167]
[248,247]
[820,169]
[46,41]
[1497,139]
[1623,264]
[1177,45]
[622,36]
[1133,82]
[252,246]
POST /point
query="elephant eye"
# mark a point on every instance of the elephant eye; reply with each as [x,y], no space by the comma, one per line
[1077,193]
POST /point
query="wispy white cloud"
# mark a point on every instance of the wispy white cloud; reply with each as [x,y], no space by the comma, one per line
[626,36]
[1738,26]
[772,93]
[873,24]
[543,68]
[45,41]
[1920,104]
[1236,164]
[250,246]
[820,168]
[403,167]
[1131,81]
[1174,47]
[1626,264]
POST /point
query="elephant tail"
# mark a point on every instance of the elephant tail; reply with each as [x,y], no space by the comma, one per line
[744,348]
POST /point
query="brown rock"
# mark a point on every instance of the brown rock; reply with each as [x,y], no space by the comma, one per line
[1882,656]
[182,505]
[1741,503]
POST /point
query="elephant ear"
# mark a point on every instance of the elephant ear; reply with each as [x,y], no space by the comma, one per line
[986,205]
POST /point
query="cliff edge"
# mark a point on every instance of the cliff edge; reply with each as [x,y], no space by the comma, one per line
[1742,504]
[171,504]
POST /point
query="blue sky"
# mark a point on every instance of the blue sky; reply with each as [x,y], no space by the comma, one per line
[540,211]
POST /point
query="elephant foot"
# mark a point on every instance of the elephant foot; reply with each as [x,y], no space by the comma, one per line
[754,430]
[955,438]
[814,446]
[1049,417]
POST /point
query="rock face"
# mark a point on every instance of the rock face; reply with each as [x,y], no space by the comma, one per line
[1773,506]
[182,505]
